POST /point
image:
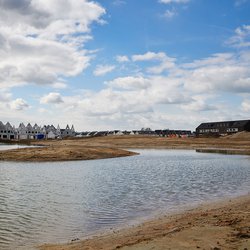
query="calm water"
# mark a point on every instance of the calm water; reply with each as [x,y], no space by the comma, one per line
[57,202]
[13,146]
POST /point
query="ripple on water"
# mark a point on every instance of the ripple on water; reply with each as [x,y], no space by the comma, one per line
[51,202]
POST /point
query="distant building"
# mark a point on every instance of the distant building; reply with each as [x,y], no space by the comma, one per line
[8,132]
[173,133]
[223,127]
[67,132]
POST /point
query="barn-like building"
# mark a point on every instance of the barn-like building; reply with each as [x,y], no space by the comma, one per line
[223,127]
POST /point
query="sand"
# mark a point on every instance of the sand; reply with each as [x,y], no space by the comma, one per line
[224,225]
[221,225]
[62,153]
[113,146]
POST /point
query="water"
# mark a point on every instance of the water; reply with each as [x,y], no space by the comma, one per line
[13,146]
[57,202]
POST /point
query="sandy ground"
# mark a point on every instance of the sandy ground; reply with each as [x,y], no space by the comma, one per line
[222,225]
[113,146]
[219,226]
[62,153]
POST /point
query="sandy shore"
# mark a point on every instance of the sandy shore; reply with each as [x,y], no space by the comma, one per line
[113,146]
[221,225]
[224,225]
[62,153]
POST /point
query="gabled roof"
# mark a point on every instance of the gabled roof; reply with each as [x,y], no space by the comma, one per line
[2,126]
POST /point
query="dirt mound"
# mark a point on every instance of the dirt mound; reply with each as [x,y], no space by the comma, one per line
[240,135]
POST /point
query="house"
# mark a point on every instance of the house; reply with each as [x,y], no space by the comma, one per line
[173,133]
[51,135]
[22,133]
[223,127]
[7,131]
[67,132]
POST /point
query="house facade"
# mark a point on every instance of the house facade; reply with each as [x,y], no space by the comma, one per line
[7,132]
[29,132]
[223,127]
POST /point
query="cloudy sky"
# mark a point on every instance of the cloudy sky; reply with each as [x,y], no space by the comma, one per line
[124,64]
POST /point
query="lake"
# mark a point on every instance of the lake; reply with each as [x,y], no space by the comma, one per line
[60,201]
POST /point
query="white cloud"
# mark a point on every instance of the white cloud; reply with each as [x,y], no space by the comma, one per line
[149,56]
[103,69]
[199,103]
[166,61]
[19,104]
[129,82]
[173,1]
[52,98]
[218,73]
[122,59]
[246,105]
[59,85]
[5,96]
[41,40]
[241,38]
[169,14]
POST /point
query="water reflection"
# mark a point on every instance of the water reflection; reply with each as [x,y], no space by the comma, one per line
[51,202]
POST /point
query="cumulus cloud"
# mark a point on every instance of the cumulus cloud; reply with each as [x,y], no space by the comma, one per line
[218,73]
[5,96]
[166,61]
[246,105]
[52,98]
[19,104]
[149,56]
[241,37]
[198,103]
[103,69]
[122,59]
[129,82]
[41,40]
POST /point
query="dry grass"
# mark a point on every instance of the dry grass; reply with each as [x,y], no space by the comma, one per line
[113,146]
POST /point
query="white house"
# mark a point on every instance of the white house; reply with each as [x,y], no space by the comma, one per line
[22,133]
[7,131]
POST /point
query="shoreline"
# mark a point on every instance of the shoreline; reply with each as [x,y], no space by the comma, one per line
[115,146]
[61,153]
[221,224]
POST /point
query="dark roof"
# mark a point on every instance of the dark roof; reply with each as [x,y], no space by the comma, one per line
[239,123]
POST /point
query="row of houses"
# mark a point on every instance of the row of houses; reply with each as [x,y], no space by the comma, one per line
[22,132]
[149,132]
[204,129]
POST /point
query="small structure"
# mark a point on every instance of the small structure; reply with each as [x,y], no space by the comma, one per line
[67,132]
[22,133]
[173,133]
[7,131]
[223,127]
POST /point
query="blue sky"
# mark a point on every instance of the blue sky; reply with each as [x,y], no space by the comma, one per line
[124,64]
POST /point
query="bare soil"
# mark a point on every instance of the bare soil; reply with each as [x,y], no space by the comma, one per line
[113,146]
[224,225]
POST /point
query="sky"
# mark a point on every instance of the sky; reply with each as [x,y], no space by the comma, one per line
[124,64]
